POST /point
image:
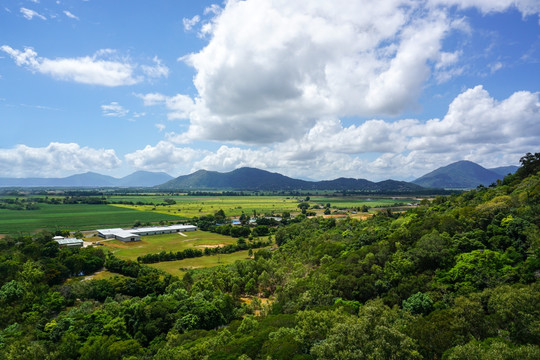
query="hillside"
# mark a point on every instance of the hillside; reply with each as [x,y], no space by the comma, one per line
[460,175]
[256,179]
[455,278]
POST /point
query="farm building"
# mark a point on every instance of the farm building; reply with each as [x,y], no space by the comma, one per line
[136,233]
[68,242]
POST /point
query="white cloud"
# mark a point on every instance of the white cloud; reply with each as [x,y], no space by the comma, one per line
[476,127]
[190,23]
[93,70]
[54,160]
[272,68]
[70,15]
[114,109]
[30,14]
[163,157]
[179,106]
[104,68]
[156,71]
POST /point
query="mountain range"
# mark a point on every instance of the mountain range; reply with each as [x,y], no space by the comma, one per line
[463,175]
[91,179]
[459,175]
[255,179]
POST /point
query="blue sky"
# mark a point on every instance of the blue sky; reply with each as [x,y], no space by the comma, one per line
[310,89]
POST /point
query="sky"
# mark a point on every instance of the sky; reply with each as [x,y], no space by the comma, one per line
[317,90]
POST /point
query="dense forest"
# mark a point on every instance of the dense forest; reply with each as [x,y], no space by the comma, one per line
[454,278]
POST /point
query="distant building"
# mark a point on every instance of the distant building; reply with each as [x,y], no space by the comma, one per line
[68,242]
[135,234]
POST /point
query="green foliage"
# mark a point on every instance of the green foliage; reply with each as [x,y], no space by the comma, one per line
[454,278]
[418,303]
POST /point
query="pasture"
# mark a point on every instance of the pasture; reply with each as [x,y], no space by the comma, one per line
[180,267]
[167,242]
[75,217]
[350,202]
[191,206]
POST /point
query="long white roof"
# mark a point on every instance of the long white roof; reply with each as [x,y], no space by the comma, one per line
[124,233]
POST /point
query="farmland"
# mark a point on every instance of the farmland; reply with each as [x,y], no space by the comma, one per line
[38,212]
[190,206]
[167,242]
[180,267]
[74,217]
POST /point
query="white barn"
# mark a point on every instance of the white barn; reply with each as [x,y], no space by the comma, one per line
[68,242]
[136,233]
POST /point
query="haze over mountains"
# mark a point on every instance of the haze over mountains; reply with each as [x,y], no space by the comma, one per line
[463,175]
[91,179]
[459,175]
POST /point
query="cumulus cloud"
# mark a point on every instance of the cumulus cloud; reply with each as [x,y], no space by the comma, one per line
[114,109]
[30,14]
[103,68]
[272,68]
[56,159]
[165,156]
[476,127]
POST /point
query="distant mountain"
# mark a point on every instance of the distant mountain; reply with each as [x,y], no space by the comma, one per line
[505,170]
[462,175]
[251,179]
[144,179]
[91,179]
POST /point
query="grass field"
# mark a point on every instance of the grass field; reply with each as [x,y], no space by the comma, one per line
[75,217]
[167,242]
[190,206]
[353,202]
[180,267]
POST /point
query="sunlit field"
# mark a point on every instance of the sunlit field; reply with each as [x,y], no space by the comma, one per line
[75,217]
[180,267]
[167,242]
[190,206]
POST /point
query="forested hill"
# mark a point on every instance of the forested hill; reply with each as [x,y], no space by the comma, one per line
[256,179]
[463,175]
[455,278]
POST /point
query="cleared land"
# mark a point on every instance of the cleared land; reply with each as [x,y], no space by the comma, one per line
[180,267]
[169,242]
[75,217]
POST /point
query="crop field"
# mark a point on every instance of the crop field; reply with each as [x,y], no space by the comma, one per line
[167,242]
[353,202]
[75,217]
[180,267]
[190,206]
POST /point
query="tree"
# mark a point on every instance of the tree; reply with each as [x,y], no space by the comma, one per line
[418,303]
[303,206]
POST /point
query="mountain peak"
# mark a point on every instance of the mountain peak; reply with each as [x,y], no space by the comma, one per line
[462,174]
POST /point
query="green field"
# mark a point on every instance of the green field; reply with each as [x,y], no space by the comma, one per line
[190,206]
[75,217]
[168,242]
[180,267]
[349,202]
